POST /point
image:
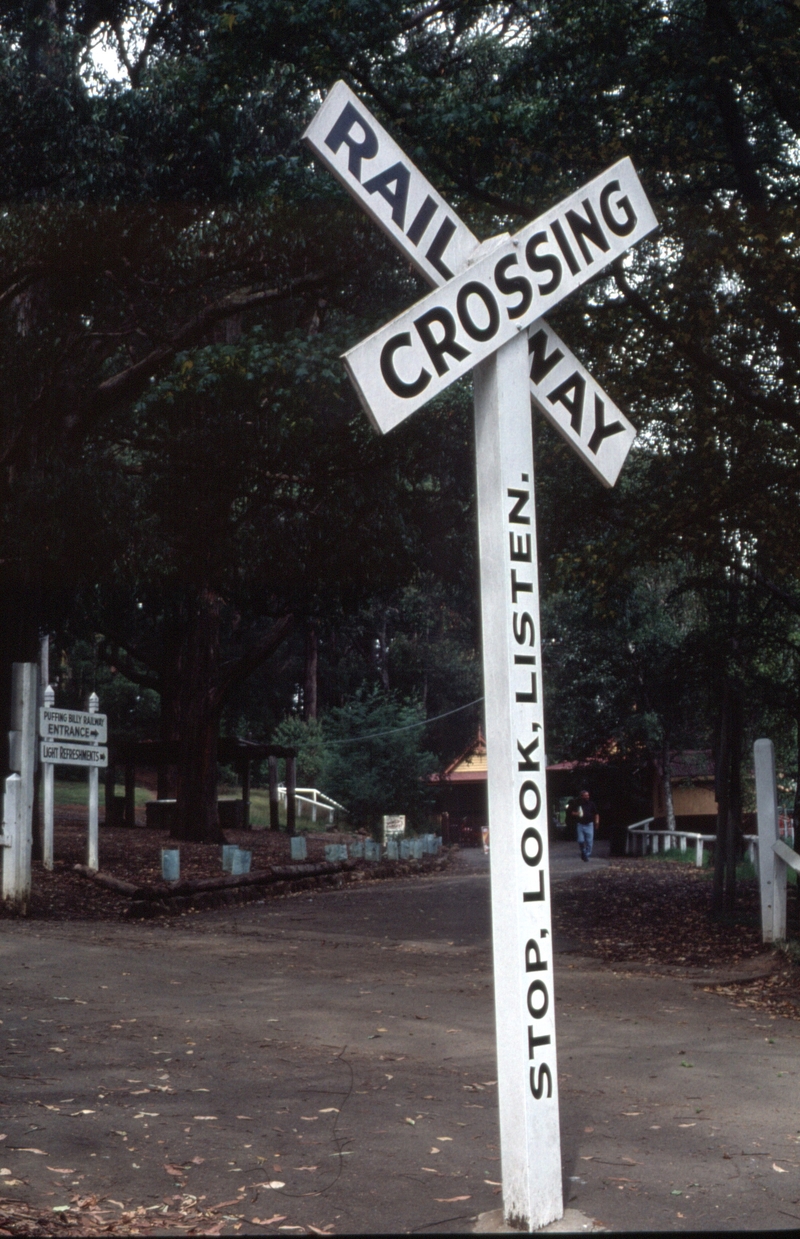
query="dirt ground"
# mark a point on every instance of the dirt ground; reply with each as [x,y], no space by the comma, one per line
[324,1063]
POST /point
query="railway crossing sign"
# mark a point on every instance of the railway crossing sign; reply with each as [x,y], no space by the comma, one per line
[403,203]
[484,315]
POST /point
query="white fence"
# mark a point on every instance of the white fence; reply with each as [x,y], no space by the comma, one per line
[316,802]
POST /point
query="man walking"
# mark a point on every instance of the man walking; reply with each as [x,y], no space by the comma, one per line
[588,819]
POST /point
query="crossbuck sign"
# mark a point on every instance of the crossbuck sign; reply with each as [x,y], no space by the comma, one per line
[485,315]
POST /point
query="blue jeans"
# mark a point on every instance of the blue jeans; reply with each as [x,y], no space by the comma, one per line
[585,838]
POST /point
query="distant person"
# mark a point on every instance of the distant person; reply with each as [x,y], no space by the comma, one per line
[572,816]
[587,820]
[485,839]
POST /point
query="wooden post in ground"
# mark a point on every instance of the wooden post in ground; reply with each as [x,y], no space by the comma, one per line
[291,797]
[130,793]
[48,780]
[274,820]
[22,744]
[771,872]
[92,841]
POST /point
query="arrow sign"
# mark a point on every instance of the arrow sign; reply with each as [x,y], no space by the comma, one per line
[75,725]
[367,161]
[59,754]
[420,353]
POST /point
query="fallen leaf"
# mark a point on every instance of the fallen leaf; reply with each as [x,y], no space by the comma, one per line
[143,1114]
[450,1138]
[276,1184]
[178,1171]
[631,1114]
[13,1183]
[306,1167]
[492,1183]
[430,1170]
[779,1169]
[60,1208]
[61,1170]
[330,1110]
[310,1118]
[687,1124]
[197,1161]
[315,1230]
[268,1221]
[412,1122]
[434,1149]
[244,1116]
[40,1152]
[5,1171]
[456,1030]
[205,1118]
[450,1200]
[57,1049]
[629,1161]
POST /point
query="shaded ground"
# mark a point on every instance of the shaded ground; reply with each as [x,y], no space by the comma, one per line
[229,1072]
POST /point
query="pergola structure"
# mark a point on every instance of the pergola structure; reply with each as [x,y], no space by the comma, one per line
[162,754]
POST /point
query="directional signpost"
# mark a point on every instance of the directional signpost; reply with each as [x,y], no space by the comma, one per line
[485,314]
[72,738]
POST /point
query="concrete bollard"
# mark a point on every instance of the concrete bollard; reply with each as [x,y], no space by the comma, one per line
[15,892]
[372,851]
[298,846]
[241,861]
[170,864]
[357,849]
[335,851]
[228,850]
[392,849]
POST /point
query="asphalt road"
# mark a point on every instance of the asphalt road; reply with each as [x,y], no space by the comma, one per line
[341,1044]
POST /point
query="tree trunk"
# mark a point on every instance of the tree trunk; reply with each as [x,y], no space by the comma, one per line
[734,798]
[669,807]
[310,675]
[197,816]
[722,787]
[169,722]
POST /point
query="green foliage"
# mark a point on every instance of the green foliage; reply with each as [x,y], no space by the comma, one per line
[385,774]
[313,755]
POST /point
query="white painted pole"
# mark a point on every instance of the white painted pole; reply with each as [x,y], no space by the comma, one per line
[92,848]
[48,780]
[698,854]
[772,872]
[530,1140]
[11,840]
[24,701]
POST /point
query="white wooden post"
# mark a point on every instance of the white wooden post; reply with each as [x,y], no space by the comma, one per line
[92,848]
[772,873]
[22,744]
[682,842]
[12,841]
[698,853]
[530,1143]
[48,778]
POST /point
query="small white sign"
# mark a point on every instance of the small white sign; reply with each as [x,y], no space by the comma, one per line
[59,754]
[76,725]
[420,353]
[394,826]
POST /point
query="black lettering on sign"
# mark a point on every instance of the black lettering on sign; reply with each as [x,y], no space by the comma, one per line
[535,1042]
[532,833]
[525,659]
[538,987]
[399,176]
[541,964]
[530,812]
[526,623]
[515,284]
[439,245]
[541,365]
[620,228]
[543,262]
[365,148]
[390,376]
[519,587]
[473,289]
[532,695]
[437,348]
[564,246]
[520,551]
[538,1088]
[572,403]
[522,497]
[421,220]
[589,228]
[601,430]
[535,896]
[525,754]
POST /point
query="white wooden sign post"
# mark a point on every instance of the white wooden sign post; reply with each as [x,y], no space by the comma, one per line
[72,738]
[485,314]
